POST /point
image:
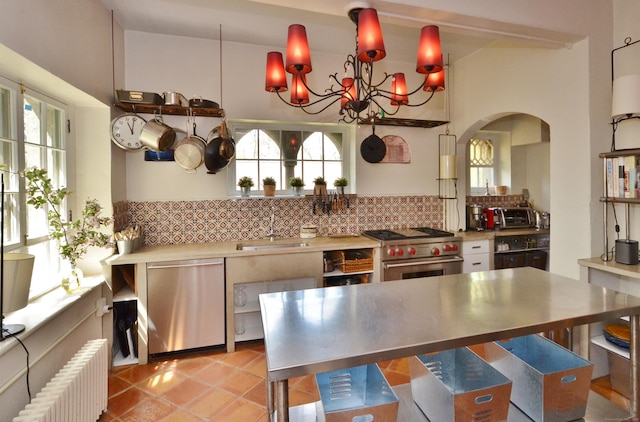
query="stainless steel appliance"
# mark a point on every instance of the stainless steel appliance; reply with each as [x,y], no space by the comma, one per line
[417,252]
[516,217]
[475,218]
[185,304]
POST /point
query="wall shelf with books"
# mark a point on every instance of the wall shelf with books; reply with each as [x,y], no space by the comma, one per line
[621,179]
[621,173]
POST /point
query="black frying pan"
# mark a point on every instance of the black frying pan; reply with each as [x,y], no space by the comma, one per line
[373,149]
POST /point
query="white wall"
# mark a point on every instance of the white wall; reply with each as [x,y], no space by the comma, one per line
[549,84]
[192,66]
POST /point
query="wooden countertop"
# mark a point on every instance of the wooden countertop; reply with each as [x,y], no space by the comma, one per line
[229,249]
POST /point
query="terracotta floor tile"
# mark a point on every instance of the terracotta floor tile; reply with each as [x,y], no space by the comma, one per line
[189,366]
[307,383]
[150,410]
[162,381]
[216,386]
[214,373]
[240,381]
[239,358]
[241,410]
[186,392]
[258,394]
[257,366]
[182,416]
[211,403]
[298,397]
[117,385]
[136,373]
[126,400]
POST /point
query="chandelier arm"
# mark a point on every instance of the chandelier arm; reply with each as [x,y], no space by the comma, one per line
[329,92]
[306,106]
[422,103]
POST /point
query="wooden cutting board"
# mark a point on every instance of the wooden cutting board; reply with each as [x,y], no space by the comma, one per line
[397,150]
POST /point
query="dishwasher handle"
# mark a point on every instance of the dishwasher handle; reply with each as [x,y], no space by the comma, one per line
[184,264]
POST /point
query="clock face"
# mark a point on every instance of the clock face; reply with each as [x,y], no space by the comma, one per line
[125,131]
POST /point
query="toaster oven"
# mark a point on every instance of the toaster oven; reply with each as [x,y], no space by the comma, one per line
[520,217]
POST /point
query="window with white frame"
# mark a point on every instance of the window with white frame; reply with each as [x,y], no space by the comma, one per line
[32,134]
[282,151]
[481,165]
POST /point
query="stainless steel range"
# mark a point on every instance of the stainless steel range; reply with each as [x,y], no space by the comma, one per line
[417,252]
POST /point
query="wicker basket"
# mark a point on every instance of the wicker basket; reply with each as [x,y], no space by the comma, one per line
[352,261]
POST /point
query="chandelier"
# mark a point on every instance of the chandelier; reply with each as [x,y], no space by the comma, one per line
[361,99]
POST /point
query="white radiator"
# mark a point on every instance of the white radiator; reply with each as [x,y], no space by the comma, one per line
[78,392]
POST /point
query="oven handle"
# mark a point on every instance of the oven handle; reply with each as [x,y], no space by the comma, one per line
[412,263]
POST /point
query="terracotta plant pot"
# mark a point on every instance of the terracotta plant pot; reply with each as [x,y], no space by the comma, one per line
[269,190]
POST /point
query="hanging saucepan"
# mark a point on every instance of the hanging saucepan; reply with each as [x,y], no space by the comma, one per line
[189,153]
[220,149]
[373,149]
[156,135]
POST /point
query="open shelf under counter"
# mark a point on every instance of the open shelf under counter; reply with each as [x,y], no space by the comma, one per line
[602,342]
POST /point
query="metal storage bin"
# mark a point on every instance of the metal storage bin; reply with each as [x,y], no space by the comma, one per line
[457,385]
[361,391]
[550,383]
[619,373]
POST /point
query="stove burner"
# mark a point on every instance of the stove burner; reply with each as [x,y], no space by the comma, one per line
[383,234]
[433,232]
[412,233]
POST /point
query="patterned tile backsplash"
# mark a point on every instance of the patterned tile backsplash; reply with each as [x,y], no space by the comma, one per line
[176,222]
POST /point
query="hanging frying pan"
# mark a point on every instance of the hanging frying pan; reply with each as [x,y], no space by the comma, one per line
[220,149]
[373,149]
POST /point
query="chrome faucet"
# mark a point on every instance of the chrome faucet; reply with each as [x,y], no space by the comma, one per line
[272,219]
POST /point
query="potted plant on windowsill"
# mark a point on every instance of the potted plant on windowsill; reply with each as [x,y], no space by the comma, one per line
[297,184]
[73,237]
[340,183]
[320,186]
[269,185]
[245,183]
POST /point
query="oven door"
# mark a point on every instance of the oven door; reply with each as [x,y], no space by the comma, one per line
[416,268]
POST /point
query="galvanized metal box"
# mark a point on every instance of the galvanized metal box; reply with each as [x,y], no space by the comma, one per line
[457,385]
[550,383]
[358,393]
[619,373]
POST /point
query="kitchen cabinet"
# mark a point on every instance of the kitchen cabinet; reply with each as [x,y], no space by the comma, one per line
[262,274]
[350,266]
[526,250]
[246,314]
[477,255]
[125,323]
[611,275]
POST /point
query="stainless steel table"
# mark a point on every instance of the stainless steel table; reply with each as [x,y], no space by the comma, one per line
[319,330]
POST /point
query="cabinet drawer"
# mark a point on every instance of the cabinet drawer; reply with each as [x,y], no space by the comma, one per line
[475,246]
[476,262]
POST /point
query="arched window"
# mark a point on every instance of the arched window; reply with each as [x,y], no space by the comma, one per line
[481,165]
[282,151]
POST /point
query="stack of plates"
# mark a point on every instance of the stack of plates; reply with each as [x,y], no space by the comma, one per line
[618,335]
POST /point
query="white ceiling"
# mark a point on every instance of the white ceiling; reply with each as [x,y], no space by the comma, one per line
[265,22]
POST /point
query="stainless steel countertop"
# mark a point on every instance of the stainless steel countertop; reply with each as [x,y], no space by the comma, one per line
[319,330]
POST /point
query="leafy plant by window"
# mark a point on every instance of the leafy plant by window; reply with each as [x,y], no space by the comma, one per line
[74,237]
[245,182]
[269,181]
[341,181]
[319,181]
[296,182]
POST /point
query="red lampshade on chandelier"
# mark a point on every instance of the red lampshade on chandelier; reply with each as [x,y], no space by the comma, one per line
[360,98]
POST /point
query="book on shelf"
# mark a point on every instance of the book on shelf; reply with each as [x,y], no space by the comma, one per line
[629,176]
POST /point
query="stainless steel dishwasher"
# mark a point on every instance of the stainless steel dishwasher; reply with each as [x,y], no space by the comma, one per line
[186,304]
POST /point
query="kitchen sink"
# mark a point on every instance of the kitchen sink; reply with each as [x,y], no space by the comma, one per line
[252,247]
